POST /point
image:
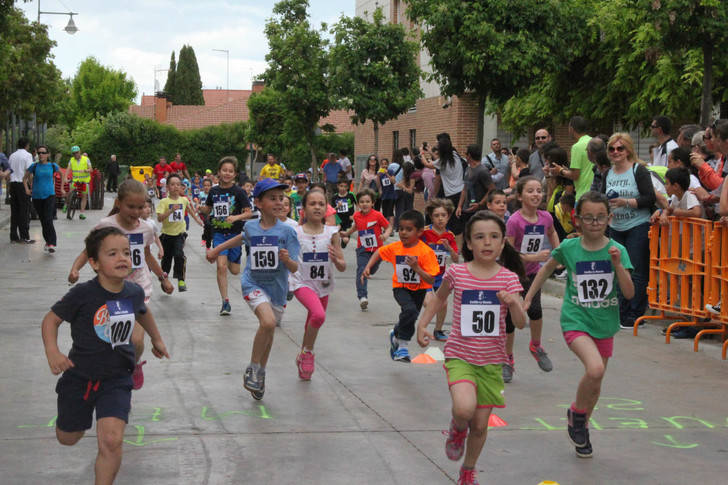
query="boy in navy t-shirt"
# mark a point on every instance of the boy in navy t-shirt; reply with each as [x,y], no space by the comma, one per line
[97,371]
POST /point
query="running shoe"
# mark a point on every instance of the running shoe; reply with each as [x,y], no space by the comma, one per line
[363,303]
[508,372]
[225,310]
[455,442]
[468,476]
[45,248]
[541,357]
[182,286]
[51,248]
[560,275]
[577,428]
[82,216]
[254,381]
[137,377]
[305,364]
[440,336]
[401,355]
[715,309]
[393,344]
[586,450]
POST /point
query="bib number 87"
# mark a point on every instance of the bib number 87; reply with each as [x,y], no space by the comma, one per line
[265,259]
[483,320]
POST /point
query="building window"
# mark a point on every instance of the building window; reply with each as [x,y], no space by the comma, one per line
[395,141]
[413,140]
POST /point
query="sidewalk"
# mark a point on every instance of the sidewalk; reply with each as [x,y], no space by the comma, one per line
[363,419]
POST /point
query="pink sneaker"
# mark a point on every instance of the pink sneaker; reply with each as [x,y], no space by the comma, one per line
[137,377]
[455,442]
[305,365]
[468,477]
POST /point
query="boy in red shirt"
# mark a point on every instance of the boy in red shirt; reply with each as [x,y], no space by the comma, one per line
[415,267]
[369,224]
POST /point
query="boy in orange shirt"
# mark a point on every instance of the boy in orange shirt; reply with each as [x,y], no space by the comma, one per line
[415,268]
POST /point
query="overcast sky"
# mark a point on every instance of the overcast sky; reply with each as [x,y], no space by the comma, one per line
[138,36]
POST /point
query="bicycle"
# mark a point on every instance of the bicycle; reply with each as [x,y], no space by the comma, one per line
[74,199]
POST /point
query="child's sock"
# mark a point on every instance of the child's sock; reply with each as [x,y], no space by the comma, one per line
[255,367]
[536,343]
[577,410]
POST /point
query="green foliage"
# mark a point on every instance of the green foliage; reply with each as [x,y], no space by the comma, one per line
[169,86]
[374,72]
[187,82]
[29,80]
[98,90]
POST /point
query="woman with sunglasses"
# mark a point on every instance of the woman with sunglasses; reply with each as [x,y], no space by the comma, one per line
[628,186]
[40,174]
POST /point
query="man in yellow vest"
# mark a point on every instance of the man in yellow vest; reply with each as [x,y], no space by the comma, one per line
[79,170]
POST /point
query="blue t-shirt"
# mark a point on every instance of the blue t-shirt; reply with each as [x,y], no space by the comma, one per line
[264,270]
[43,186]
[332,170]
[625,185]
[398,171]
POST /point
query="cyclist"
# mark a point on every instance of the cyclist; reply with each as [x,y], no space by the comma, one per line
[79,169]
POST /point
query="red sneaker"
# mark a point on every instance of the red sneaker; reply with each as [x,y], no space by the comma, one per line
[305,364]
[468,477]
[455,443]
[137,377]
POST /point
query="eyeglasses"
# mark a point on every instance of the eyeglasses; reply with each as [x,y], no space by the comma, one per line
[42,153]
[542,137]
[589,219]
[619,148]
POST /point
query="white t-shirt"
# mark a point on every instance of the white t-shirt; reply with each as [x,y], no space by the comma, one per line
[315,270]
[687,202]
[694,182]
[659,154]
[451,176]
[346,165]
[19,161]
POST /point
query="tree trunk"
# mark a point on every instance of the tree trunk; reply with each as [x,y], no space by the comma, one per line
[376,141]
[706,102]
[314,161]
[481,122]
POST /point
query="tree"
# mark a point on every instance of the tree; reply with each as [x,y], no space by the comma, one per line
[169,86]
[267,120]
[374,71]
[98,90]
[187,82]
[494,49]
[298,70]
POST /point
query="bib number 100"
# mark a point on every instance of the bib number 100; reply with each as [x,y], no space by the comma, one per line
[119,332]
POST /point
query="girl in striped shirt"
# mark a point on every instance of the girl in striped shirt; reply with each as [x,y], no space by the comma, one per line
[475,351]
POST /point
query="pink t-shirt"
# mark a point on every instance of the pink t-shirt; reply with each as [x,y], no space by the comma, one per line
[476,315]
[139,238]
[529,237]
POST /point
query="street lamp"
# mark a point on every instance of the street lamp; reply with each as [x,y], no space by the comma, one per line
[227,54]
[70,27]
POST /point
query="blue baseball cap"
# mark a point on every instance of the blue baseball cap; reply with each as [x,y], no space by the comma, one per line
[300,175]
[267,184]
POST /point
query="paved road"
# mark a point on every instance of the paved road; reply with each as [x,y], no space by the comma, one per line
[363,419]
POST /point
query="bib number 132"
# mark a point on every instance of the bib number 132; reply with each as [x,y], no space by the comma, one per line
[480,314]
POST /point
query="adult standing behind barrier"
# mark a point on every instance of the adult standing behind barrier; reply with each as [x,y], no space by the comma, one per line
[450,167]
[19,161]
[631,196]
[44,194]
[112,174]
[580,170]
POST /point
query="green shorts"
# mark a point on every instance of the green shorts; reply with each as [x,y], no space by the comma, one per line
[487,379]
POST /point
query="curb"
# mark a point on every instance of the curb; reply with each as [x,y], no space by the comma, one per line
[554,287]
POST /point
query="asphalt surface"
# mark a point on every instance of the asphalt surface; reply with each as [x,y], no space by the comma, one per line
[363,419]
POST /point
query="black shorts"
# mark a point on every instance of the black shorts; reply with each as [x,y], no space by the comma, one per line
[535,312]
[388,208]
[456,224]
[78,397]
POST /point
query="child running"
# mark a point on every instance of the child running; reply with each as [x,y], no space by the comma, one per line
[97,371]
[590,312]
[125,216]
[207,228]
[345,205]
[274,250]
[443,243]
[415,267]
[475,351]
[170,212]
[314,281]
[147,217]
[369,224]
[228,207]
[301,183]
[526,231]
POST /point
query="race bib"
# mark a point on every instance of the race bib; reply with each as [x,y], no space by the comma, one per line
[176,214]
[221,208]
[594,280]
[315,266]
[342,206]
[405,273]
[120,322]
[136,246]
[480,313]
[263,253]
[386,182]
[195,192]
[532,239]
[441,254]
[368,239]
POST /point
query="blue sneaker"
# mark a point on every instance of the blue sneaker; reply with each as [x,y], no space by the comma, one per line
[440,336]
[401,355]
[393,344]
[225,310]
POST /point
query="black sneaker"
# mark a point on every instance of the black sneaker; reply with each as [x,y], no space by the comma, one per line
[254,382]
[576,427]
[586,450]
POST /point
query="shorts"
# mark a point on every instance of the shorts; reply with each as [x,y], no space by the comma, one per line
[605,346]
[535,312]
[388,208]
[436,284]
[233,254]
[78,397]
[84,187]
[487,379]
[257,297]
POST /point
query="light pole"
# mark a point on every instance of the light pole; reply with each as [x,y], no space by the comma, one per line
[155,78]
[227,55]
[70,27]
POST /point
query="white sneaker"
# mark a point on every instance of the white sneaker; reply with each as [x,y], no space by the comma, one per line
[363,303]
[714,309]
